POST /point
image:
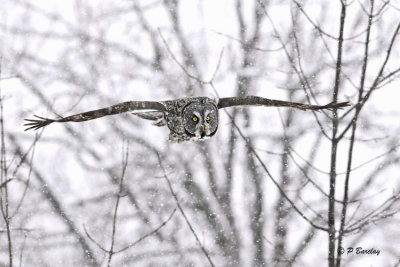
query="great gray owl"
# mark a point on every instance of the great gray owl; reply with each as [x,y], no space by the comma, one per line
[191,118]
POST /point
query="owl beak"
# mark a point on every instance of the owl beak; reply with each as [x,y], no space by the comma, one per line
[203,130]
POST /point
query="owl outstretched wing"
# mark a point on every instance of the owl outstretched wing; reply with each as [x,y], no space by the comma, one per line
[98,113]
[260,101]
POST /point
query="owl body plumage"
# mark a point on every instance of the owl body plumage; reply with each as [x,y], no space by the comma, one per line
[174,119]
[189,118]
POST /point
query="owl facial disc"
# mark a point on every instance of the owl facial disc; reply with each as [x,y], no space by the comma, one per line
[200,119]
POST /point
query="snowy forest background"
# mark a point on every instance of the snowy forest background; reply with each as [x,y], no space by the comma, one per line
[273,187]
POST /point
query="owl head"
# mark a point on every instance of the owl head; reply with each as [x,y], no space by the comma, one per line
[200,118]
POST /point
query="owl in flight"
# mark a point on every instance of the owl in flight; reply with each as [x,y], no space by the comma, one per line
[190,118]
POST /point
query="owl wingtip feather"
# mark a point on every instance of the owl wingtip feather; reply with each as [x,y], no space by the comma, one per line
[335,105]
[35,124]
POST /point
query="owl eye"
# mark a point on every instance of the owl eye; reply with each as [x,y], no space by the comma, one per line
[208,118]
[195,118]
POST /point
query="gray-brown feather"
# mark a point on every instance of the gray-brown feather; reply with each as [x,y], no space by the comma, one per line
[157,116]
[261,101]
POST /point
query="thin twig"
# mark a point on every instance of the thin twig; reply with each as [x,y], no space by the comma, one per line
[37,136]
[273,179]
[176,60]
[267,171]
[246,45]
[303,80]
[94,240]
[111,251]
[183,67]
[121,187]
[4,203]
[217,66]
[377,213]
[6,182]
[49,195]
[379,77]
[8,77]
[148,234]
[22,251]
[320,30]
[183,212]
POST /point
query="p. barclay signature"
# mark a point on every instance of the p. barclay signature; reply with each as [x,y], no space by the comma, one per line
[359,251]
